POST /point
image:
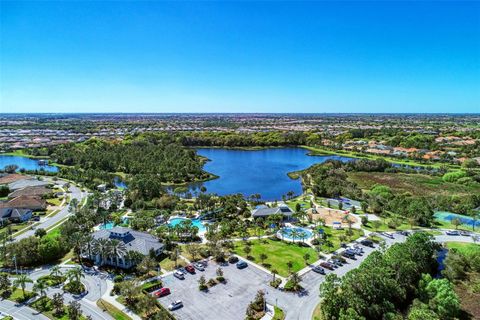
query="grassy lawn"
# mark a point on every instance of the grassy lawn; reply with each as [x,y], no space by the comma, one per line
[317,315]
[305,204]
[278,254]
[54,201]
[169,265]
[17,295]
[112,310]
[279,314]
[448,225]
[468,249]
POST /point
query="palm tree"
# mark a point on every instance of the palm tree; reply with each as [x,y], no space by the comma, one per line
[295,279]
[117,249]
[21,281]
[274,273]
[40,287]
[294,234]
[289,266]
[56,272]
[77,241]
[102,248]
[75,274]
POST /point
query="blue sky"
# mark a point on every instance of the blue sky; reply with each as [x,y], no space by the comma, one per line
[337,56]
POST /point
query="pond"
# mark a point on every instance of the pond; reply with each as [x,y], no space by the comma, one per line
[25,163]
[260,171]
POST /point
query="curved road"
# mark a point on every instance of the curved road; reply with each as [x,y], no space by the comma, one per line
[45,223]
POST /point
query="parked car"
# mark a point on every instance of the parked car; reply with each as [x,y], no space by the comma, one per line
[404,233]
[241,264]
[318,269]
[349,254]
[179,274]
[367,243]
[36,218]
[162,292]
[327,265]
[388,235]
[337,262]
[233,259]
[199,266]
[465,233]
[175,305]
[190,268]
[452,233]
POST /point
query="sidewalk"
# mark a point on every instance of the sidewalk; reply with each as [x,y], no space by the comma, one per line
[113,301]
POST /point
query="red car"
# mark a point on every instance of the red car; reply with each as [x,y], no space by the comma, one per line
[162,292]
[190,268]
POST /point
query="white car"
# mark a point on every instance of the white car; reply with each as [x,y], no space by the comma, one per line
[199,266]
[175,305]
[179,274]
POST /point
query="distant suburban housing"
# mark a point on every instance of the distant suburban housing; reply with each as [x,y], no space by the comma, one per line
[14,215]
[141,242]
[31,182]
[264,211]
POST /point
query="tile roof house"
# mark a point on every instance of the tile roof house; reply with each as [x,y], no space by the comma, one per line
[25,202]
[32,182]
[30,191]
[15,215]
[140,242]
[264,211]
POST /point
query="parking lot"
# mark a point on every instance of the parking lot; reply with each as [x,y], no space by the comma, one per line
[230,300]
[223,301]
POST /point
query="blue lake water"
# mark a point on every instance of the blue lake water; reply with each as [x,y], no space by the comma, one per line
[25,163]
[263,171]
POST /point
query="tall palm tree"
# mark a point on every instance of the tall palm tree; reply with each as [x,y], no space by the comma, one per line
[56,272]
[87,244]
[75,274]
[21,281]
[40,287]
[117,249]
[102,247]
[294,234]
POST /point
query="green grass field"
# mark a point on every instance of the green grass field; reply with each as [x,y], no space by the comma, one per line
[112,310]
[417,184]
[278,254]
[468,249]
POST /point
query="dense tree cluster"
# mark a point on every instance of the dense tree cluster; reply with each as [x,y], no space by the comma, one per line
[383,285]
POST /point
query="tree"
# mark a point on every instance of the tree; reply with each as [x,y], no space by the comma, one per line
[263,257]
[193,250]
[274,273]
[306,257]
[40,232]
[202,283]
[10,168]
[56,272]
[289,266]
[5,282]
[456,222]
[295,280]
[40,287]
[175,254]
[102,247]
[57,303]
[146,265]
[440,296]
[74,311]
[21,281]
[247,250]
[75,274]
[420,311]
[117,249]
[376,224]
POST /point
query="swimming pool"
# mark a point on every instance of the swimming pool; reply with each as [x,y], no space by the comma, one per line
[109,225]
[294,233]
[196,223]
[449,216]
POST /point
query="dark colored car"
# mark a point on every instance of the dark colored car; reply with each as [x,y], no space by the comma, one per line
[241,264]
[162,292]
[327,265]
[318,269]
[190,268]
[349,254]
[367,243]
[233,259]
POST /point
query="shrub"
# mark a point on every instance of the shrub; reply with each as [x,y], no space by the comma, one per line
[275,283]
[74,287]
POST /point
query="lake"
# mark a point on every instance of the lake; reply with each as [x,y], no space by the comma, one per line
[260,171]
[25,163]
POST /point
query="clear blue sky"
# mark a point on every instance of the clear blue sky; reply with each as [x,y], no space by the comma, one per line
[85,56]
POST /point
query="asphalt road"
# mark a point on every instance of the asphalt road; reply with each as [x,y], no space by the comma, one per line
[20,312]
[46,223]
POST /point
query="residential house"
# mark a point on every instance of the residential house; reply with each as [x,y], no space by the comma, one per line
[29,182]
[140,242]
[25,202]
[30,191]
[14,215]
[9,178]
